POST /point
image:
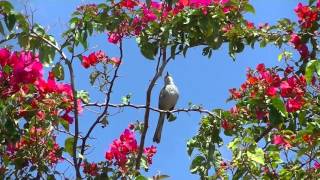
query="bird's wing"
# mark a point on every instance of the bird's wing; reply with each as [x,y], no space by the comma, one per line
[162,98]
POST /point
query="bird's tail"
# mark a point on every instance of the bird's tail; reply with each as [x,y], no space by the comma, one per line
[157,133]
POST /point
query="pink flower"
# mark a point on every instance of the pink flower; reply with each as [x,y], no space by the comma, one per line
[150,152]
[101,56]
[261,68]
[128,3]
[285,89]
[116,61]
[271,91]
[122,148]
[4,56]
[222,2]
[199,3]
[280,141]
[306,15]
[40,115]
[260,114]
[316,165]
[250,25]
[293,105]
[235,94]
[85,62]
[148,15]
[114,38]
[67,117]
[226,125]
[184,2]
[299,45]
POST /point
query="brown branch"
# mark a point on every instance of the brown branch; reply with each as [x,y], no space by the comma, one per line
[264,133]
[74,93]
[76,117]
[158,73]
[105,111]
[135,106]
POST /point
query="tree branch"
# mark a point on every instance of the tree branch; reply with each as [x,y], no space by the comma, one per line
[57,48]
[158,73]
[264,133]
[136,106]
[105,111]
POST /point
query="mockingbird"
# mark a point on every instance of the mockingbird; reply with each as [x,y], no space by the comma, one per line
[168,98]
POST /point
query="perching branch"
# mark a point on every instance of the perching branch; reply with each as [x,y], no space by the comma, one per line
[135,106]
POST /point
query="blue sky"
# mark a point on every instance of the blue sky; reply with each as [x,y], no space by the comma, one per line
[200,81]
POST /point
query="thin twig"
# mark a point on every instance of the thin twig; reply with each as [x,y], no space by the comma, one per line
[105,111]
[57,48]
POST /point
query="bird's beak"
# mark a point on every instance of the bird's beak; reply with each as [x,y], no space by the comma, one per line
[168,74]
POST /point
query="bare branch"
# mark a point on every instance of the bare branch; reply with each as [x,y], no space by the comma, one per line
[135,106]
[105,111]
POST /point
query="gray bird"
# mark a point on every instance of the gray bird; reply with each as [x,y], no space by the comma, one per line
[168,98]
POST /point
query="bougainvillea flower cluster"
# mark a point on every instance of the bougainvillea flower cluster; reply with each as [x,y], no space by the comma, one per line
[264,84]
[36,138]
[157,12]
[97,57]
[90,169]
[21,73]
[299,46]
[126,148]
[150,152]
[306,15]
[281,141]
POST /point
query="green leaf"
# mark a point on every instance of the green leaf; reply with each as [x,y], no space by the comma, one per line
[172,117]
[256,156]
[233,145]
[149,50]
[10,21]
[141,178]
[196,164]
[68,145]
[317,68]
[58,71]
[46,54]
[239,173]
[93,77]
[23,41]
[1,29]
[190,146]
[65,124]
[279,105]
[311,2]
[280,57]
[104,121]
[160,177]
[249,8]
[310,68]
[7,6]
[51,177]
[83,95]
[275,116]
[144,163]
[126,99]
[302,117]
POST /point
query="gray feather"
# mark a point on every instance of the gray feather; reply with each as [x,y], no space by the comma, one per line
[157,134]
